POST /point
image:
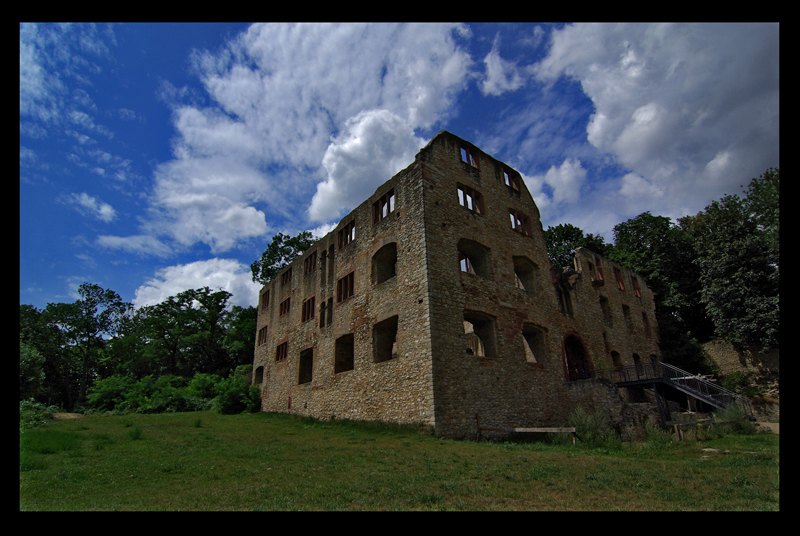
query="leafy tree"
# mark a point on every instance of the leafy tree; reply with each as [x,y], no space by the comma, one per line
[280,252]
[239,338]
[31,371]
[737,253]
[563,239]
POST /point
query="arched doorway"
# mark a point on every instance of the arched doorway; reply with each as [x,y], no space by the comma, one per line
[577,360]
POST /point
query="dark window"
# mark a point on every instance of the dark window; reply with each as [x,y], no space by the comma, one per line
[307,312]
[347,234]
[647,331]
[310,263]
[533,338]
[265,300]
[284,307]
[383,207]
[384,263]
[384,340]
[470,199]
[286,277]
[262,335]
[469,156]
[635,284]
[344,354]
[618,277]
[281,351]
[520,222]
[578,365]
[525,273]
[479,334]
[306,366]
[345,287]
[474,258]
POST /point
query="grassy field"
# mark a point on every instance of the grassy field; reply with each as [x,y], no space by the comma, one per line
[207,461]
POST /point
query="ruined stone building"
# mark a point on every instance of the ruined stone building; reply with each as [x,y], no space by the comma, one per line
[434,302]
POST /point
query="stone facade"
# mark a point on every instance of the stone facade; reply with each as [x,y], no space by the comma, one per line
[434,302]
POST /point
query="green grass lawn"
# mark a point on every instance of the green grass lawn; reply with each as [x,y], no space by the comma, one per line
[207,461]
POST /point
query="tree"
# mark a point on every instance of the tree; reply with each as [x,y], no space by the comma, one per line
[565,238]
[737,254]
[280,252]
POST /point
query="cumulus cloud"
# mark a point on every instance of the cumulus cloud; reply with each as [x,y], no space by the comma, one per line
[225,274]
[501,75]
[676,104]
[372,148]
[91,206]
[144,245]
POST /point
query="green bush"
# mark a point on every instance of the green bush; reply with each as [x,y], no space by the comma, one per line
[235,395]
[109,394]
[32,414]
[594,429]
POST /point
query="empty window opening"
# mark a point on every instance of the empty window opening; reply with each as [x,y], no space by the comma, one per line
[525,274]
[474,258]
[626,313]
[383,207]
[384,263]
[470,199]
[647,331]
[262,335]
[384,340]
[281,351]
[286,277]
[618,278]
[606,310]
[347,234]
[329,312]
[511,179]
[285,306]
[577,361]
[637,362]
[322,315]
[331,261]
[479,335]
[344,354]
[306,366]
[310,263]
[323,266]
[469,156]
[258,377]
[265,300]
[520,222]
[533,338]
[635,284]
[345,287]
[616,360]
[308,309]
[564,300]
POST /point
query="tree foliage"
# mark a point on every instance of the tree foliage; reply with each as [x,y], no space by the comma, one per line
[280,252]
[563,239]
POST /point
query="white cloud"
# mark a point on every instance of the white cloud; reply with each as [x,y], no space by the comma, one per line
[91,206]
[676,104]
[501,75]
[566,181]
[226,274]
[144,245]
[372,148]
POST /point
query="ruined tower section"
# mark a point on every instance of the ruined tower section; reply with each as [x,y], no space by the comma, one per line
[512,337]
[344,331]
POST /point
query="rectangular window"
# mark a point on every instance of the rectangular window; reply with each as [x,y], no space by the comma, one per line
[284,307]
[306,370]
[262,335]
[469,156]
[344,356]
[470,199]
[635,284]
[286,277]
[520,222]
[618,277]
[310,263]
[383,207]
[265,300]
[345,287]
[281,351]
[511,179]
[308,310]
[347,234]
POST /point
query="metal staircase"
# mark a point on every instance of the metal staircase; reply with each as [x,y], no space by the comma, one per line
[686,382]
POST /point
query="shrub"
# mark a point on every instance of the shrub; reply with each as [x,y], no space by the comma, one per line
[108,393]
[32,414]
[235,395]
[594,429]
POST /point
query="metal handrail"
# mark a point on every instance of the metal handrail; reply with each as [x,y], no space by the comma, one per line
[692,384]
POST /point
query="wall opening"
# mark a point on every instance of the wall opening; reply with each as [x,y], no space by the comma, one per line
[384,263]
[306,366]
[344,354]
[258,377]
[577,361]
[606,310]
[474,258]
[525,274]
[479,337]
[616,359]
[384,340]
[533,338]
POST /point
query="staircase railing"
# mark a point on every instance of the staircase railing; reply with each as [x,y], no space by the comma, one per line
[689,383]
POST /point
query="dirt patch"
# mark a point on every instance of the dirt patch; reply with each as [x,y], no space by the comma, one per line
[67,415]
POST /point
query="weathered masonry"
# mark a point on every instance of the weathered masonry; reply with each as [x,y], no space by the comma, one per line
[434,302]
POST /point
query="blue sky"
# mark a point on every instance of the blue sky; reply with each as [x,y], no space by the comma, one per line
[160,157]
